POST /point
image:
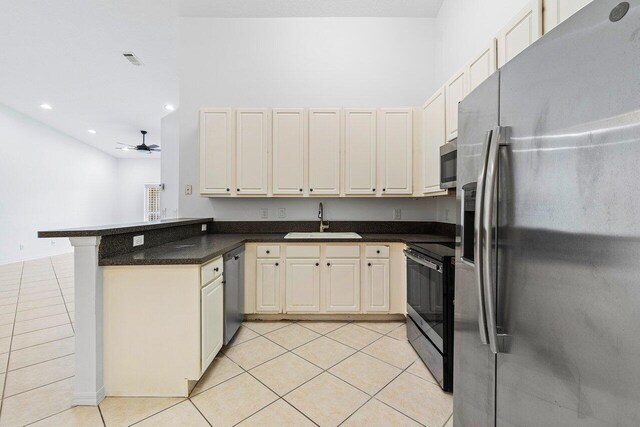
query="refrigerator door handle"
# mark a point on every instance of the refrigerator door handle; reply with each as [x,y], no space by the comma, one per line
[479,238]
[488,241]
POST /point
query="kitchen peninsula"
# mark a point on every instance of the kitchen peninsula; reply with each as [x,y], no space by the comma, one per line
[150,317]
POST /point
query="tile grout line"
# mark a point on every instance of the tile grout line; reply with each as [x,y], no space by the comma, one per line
[101,416]
[38,363]
[155,413]
[6,375]
[62,296]
[40,386]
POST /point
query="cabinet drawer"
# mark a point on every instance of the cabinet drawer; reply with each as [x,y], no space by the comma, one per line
[377,252]
[343,252]
[269,251]
[303,251]
[210,271]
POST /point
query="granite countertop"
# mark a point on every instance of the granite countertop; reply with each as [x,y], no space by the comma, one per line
[200,249]
[135,227]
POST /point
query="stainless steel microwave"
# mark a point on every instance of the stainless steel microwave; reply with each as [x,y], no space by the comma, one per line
[448,165]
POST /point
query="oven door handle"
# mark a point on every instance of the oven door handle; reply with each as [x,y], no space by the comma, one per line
[479,238]
[423,261]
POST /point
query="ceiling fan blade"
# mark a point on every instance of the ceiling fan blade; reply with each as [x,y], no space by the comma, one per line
[153,146]
[126,145]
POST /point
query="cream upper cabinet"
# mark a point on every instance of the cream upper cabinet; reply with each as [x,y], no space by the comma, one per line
[268,286]
[289,150]
[253,137]
[325,145]
[212,315]
[217,157]
[395,141]
[360,151]
[433,137]
[556,11]
[455,91]
[524,29]
[341,283]
[481,66]
[302,284]
[376,285]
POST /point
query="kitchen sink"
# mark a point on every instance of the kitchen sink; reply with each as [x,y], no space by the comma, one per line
[323,235]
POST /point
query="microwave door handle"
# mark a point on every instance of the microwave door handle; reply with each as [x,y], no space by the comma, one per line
[478,238]
[488,243]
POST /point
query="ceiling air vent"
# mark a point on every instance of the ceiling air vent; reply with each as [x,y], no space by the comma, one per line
[131,57]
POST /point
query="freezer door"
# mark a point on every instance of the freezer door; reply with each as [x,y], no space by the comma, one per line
[569,234]
[474,364]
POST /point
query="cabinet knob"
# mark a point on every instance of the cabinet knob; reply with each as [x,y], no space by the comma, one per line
[311,189]
[301,190]
[378,251]
[328,264]
[236,257]
[237,189]
[373,189]
[277,264]
[227,189]
[216,269]
[384,189]
[317,264]
[369,264]
[268,251]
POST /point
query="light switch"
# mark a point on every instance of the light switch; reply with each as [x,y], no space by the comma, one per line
[397,214]
[282,213]
[138,240]
[264,213]
[204,227]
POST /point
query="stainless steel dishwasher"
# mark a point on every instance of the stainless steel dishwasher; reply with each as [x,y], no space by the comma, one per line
[233,292]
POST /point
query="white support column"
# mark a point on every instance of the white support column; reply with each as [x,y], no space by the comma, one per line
[89,382]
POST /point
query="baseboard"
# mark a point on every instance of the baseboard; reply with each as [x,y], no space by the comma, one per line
[88,398]
[321,317]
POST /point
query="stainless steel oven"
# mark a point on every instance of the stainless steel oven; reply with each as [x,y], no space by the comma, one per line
[448,165]
[430,288]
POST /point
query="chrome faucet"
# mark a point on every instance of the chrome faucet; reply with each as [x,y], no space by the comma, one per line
[323,226]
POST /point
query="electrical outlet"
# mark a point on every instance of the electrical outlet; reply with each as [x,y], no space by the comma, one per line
[282,213]
[204,227]
[264,213]
[397,213]
[188,189]
[138,240]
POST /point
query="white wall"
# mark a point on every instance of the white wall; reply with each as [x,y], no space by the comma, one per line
[132,175]
[298,62]
[170,143]
[48,180]
[464,27]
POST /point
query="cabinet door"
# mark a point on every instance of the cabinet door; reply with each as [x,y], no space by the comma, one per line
[377,285]
[455,91]
[268,286]
[325,144]
[360,151]
[212,321]
[520,33]
[433,137]
[482,66]
[341,283]
[216,151]
[289,151]
[252,150]
[302,284]
[556,11]
[395,138]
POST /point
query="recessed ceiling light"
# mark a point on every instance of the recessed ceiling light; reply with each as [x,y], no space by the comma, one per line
[46,107]
[92,131]
[169,107]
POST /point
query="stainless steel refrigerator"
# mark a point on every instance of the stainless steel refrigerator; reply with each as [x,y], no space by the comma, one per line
[547,307]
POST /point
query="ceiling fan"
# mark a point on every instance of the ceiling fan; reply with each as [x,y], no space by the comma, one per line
[142,147]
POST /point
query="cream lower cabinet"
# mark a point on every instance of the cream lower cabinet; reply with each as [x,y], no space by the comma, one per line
[341,281]
[376,285]
[268,286]
[302,284]
[212,316]
[325,278]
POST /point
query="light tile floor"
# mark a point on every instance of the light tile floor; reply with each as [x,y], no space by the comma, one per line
[272,374]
